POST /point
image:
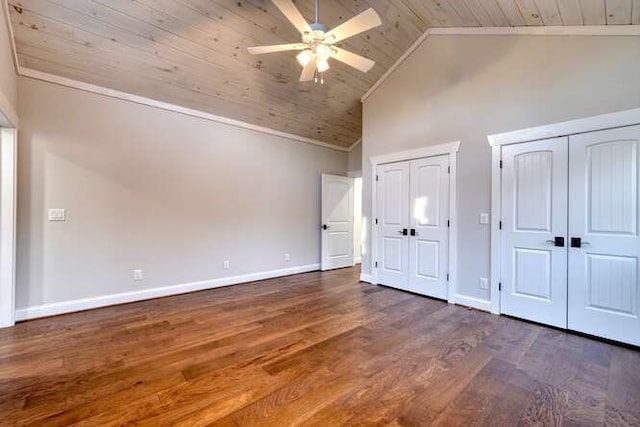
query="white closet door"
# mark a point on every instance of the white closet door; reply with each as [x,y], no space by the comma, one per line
[393,225]
[534,214]
[428,241]
[604,279]
[337,222]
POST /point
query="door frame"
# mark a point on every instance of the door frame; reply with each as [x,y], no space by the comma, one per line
[450,149]
[8,168]
[496,141]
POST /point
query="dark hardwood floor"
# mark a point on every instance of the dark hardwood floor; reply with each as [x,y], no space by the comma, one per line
[315,349]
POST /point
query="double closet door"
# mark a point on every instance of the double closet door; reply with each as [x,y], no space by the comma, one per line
[412,221]
[570,228]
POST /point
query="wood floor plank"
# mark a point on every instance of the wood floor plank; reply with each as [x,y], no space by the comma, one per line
[319,349]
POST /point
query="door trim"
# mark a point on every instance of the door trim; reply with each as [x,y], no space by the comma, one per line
[9,146]
[496,141]
[450,149]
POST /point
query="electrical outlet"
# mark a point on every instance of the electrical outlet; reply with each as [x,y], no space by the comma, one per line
[287,257]
[226,265]
[137,275]
[484,283]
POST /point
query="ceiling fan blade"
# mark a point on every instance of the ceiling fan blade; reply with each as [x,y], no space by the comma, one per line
[365,21]
[257,50]
[309,70]
[356,61]
[292,13]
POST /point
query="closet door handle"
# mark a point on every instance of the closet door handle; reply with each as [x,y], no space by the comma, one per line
[413,232]
[558,241]
[404,232]
[576,242]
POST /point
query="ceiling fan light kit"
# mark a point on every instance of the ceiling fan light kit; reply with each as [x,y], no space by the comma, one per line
[317,45]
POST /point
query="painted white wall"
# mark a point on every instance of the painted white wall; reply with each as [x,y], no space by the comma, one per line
[8,77]
[467,87]
[146,188]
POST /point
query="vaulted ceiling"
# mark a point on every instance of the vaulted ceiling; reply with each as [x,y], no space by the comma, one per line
[193,53]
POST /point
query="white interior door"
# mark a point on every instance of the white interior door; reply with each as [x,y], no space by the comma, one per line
[337,222]
[604,278]
[534,231]
[429,233]
[393,225]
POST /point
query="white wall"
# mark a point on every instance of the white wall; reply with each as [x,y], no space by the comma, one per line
[467,87]
[151,189]
[8,77]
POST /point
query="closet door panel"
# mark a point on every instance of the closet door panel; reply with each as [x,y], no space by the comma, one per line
[393,219]
[534,217]
[428,241]
[604,275]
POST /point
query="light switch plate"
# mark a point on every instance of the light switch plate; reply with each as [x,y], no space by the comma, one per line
[484,218]
[484,283]
[57,215]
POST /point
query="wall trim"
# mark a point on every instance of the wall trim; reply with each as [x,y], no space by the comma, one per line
[354,145]
[366,278]
[451,149]
[9,149]
[477,303]
[576,30]
[571,127]
[57,308]
[112,93]
[429,151]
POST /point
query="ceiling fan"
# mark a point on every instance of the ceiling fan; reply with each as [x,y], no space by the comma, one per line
[317,45]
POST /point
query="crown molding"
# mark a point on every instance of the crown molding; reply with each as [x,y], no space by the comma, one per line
[578,30]
[354,145]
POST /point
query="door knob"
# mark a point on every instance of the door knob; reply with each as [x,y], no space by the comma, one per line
[557,241]
[413,232]
[404,232]
[576,242]
[325,227]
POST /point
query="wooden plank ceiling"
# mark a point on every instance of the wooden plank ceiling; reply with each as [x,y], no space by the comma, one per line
[193,53]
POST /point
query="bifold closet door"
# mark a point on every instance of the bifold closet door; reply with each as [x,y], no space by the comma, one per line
[534,230]
[429,233]
[393,225]
[604,276]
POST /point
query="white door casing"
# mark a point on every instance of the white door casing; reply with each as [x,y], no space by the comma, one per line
[534,214]
[393,224]
[429,231]
[604,270]
[337,222]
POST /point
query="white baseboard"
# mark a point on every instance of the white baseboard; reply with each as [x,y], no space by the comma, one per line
[476,303]
[54,309]
[357,260]
[366,278]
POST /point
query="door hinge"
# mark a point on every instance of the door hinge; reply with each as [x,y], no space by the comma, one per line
[376,221]
[377,178]
[448,223]
[500,225]
[499,286]
[448,169]
[376,264]
[447,277]
[501,164]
